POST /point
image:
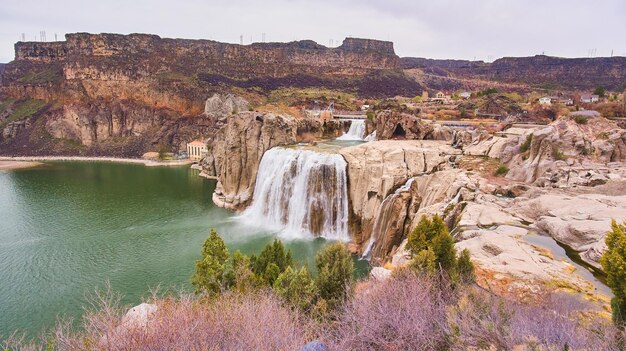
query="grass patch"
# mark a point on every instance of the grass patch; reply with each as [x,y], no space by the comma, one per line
[24,109]
[46,75]
[558,155]
[294,96]
[502,170]
[4,105]
[171,77]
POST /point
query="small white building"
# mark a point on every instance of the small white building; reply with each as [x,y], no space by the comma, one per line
[588,98]
[196,150]
[546,100]
[465,94]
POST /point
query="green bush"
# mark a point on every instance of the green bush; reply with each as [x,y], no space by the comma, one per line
[487,91]
[502,170]
[432,248]
[580,119]
[613,262]
[557,155]
[526,144]
[210,270]
[334,279]
[273,260]
[297,288]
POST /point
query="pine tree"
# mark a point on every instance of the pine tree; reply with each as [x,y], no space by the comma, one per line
[335,269]
[445,253]
[297,288]
[272,261]
[209,277]
[424,262]
[613,262]
[465,266]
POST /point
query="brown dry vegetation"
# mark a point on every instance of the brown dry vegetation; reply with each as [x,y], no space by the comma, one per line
[406,312]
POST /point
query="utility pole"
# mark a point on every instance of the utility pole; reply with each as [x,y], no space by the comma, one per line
[55,37]
[23,36]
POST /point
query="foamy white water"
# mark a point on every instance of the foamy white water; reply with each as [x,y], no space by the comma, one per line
[371,137]
[301,194]
[356,131]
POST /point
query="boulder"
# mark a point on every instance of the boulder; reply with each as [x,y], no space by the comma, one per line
[225,105]
[139,316]
[380,273]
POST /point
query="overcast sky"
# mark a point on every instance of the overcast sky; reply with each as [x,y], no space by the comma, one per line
[463,29]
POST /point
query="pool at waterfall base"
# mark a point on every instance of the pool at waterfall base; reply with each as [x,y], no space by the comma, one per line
[69,228]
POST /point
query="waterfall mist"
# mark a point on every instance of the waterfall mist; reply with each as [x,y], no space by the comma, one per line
[301,194]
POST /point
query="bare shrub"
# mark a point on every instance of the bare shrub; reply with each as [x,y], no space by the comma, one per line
[232,322]
[406,313]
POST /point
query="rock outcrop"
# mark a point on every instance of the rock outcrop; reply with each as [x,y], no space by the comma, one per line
[566,145]
[236,152]
[377,169]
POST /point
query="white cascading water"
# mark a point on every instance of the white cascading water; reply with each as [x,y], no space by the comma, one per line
[371,137]
[356,131]
[301,194]
[381,213]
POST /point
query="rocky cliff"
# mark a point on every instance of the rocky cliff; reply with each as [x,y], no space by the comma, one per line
[238,146]
[107,90]
[538,71]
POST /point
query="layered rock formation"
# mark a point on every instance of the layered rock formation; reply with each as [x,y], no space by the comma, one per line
[236,152]
[540,70]
[108,90]
[377,169]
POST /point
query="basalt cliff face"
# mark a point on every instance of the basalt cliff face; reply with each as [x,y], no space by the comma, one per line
[105,91]
[539,71]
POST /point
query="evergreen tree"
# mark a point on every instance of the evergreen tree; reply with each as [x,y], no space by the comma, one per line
[465,266]
[240,275]
[425,231]
[209,277]
[335,269]
[296,287]
[445,253]
[424,262]
[272,261]
[613,262]
[433,249]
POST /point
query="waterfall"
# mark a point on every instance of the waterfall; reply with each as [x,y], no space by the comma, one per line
[371,137]
[382,217]
[356,131]
[301,194]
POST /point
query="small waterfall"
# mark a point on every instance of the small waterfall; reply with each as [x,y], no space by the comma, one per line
[383,216]
[371,137]
[302,194]
[356,131]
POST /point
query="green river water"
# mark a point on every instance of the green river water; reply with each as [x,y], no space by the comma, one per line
[68,228]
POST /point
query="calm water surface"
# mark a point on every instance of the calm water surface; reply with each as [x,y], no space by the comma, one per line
[68,228]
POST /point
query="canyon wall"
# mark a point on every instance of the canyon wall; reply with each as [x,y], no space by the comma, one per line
[103,91]
[539,71]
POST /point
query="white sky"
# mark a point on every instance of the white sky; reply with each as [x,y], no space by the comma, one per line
[462,29]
